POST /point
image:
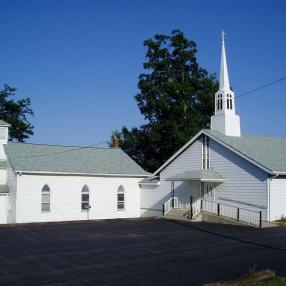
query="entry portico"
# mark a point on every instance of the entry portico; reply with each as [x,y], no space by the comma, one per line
[200,185]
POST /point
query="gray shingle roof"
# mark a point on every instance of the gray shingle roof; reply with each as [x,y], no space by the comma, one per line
[197,175]
[70,159]
[270,152]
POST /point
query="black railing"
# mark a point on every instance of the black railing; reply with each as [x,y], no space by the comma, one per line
[239,214]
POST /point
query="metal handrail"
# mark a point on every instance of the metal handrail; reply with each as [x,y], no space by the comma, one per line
[222,204]
[237,215]
[170,204]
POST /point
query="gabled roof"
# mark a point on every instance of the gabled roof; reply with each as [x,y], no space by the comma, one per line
[37,158]
[4,124]
[267,153]
[198,175]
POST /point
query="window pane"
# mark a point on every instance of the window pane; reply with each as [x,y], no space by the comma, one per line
[120,197]
[45,207]
[120,205]
[85,197]
[45,198]
[84,206]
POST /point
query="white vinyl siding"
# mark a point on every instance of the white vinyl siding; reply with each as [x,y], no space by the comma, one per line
[66,198]
[4,201]
[152,198]
[245,185]
[277,198]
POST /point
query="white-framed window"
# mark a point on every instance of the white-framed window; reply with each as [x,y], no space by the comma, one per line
[46,199]
[206,153]
[229,101]
[121,198]
[85,198]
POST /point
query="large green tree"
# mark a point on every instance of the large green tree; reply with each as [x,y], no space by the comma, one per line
[16,113]
[176,97]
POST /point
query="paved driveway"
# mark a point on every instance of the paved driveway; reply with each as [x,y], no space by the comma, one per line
[154,252]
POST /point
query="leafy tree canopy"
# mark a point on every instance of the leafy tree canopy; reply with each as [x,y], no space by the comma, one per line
[176,97]
[16,113]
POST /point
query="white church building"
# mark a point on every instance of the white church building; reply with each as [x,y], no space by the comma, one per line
[44,183]
[218,171]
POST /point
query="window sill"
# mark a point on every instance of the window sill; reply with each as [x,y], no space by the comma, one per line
[45,211]
[120,210]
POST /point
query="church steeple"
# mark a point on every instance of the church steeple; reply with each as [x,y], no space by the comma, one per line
[225,120]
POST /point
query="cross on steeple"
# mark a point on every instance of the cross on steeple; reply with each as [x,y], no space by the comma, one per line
[222,36]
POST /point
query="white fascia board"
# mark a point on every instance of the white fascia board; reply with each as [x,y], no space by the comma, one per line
[178,153]
[79,174]
[276,173]
[199,180]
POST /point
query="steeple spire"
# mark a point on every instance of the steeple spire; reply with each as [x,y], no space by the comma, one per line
[224,81]
[225,120]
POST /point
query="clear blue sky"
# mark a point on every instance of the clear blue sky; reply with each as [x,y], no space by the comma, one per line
[79,60]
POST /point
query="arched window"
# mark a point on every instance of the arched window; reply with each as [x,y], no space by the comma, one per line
[120,198]
[85,198]
[46,199]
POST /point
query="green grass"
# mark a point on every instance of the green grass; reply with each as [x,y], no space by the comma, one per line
[276,282]
[282,220]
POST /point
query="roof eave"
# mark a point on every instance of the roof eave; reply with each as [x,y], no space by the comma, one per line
[198,180]
[150,184]
[20,172]
[277,173]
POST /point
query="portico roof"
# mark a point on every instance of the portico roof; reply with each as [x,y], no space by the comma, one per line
[198,175]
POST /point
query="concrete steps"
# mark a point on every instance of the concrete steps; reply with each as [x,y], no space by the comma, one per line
[178,214]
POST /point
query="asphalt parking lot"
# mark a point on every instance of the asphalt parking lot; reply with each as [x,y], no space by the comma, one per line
[144,252]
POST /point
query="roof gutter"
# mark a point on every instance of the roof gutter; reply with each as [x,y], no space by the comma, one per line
[150,184]
[80,174]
